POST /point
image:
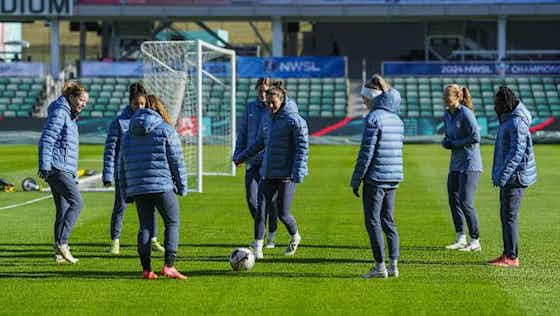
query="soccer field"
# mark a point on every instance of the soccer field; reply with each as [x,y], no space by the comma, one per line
[323,277]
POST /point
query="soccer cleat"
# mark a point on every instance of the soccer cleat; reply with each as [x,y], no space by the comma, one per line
[379,271]
[65,253]
[457,245]
[293,245]
[506,262]
[257,246]
[500,258]
[156,245]
[473,245]
[172,273]
[149,275]
[115,247]
[270,244]
[58,258]
[393,270]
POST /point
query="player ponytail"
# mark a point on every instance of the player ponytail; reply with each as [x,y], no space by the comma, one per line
[264,82]
[155,104]
[72,88]
[466,99]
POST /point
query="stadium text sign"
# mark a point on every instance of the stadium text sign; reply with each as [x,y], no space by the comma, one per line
[419,68]
[36,7]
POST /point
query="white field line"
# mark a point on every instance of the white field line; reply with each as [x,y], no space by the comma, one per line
[26,203]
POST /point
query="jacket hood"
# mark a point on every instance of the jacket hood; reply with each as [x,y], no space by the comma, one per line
[521,112]
[60,103]
[389,101]
[127,112]
[290,106]
[144,121]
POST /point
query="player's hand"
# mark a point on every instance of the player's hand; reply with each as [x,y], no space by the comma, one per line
[356,191]
[107,184]
[238,163]
[446,143]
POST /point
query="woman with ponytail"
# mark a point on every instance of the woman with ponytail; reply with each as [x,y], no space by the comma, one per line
[462,137]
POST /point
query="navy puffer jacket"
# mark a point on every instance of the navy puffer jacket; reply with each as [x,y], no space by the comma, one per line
[248,128]
[59,141]
[151,157]
[380,159]
[513,151]
[284,138]
[118,127]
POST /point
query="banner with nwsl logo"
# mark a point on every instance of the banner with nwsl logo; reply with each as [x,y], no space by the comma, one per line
[472,68]
[291,67]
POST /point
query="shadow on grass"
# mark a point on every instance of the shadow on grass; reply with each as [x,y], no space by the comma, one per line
[71,275]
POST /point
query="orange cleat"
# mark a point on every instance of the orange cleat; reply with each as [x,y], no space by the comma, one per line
[500,258]
[506,262]
[149,275]
[171,272]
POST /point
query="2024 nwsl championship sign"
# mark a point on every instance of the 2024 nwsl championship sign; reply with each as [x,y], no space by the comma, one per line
[36,7]
[470,68]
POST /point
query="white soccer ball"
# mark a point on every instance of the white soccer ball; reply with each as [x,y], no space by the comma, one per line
[242,259]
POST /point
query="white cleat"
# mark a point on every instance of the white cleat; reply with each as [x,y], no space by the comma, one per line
[474,245]
[64,251]
[270,244]
[393,270]
[293,245]
[257,246]
[378,272]
[156,246]
[115,247]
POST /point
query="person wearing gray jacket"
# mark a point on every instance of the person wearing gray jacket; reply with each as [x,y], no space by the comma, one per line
[462,137]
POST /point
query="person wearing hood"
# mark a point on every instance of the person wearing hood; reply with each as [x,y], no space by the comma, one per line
[119,126]
[247,134]
[462,137]
[513,170]
[58,163]
[283,136]
[379,166]
[152,173]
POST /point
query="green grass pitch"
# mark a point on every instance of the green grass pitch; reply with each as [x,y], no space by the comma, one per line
[323,277]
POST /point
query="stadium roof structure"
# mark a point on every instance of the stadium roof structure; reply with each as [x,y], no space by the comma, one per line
[316,10]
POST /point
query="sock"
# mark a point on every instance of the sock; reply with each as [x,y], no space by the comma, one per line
[461,237]
[259,243]
[393,263]
[296,236]
[380,266]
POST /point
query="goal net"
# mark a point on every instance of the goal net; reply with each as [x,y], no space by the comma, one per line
[196,82]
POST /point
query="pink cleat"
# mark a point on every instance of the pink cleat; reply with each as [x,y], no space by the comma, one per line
[149,275]
[500,258]
[506,262]
[171,272]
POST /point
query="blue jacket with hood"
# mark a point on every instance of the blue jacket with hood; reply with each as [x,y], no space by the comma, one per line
[514,159]
[284,138]
[118,127]
[380,160]
[152,157]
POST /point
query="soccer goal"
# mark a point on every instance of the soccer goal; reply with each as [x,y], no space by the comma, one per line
[196,81]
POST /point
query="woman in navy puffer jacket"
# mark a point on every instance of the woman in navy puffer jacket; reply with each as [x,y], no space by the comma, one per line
[283,136]
[514,168]
[152,172]
[58,163]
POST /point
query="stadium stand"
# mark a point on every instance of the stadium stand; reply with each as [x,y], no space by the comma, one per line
[20,97]
[316,97]
[422,96]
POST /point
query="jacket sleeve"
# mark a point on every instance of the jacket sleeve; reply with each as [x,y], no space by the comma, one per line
[174,154]
[241,140]
[518,144]
[122,172]
[111,151]
[51,131]
[367,149]
[473,134]
[255,147]
[301,145]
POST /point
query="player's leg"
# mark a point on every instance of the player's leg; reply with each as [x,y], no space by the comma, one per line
[456,211]
[372,198]
[168,206]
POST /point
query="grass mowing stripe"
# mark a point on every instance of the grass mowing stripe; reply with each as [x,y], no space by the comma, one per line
[323,277]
